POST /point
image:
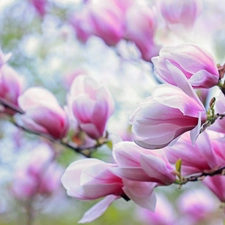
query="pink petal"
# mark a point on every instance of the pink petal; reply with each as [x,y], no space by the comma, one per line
[98,209]
[141,193]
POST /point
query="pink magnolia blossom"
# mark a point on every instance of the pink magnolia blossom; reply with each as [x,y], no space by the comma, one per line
[140,28]
[197,206]
[91,179]
[91,105]
[43,113]
[136,163]
[41,175]
[168,113]
[107,22]
[195,158]
[11,86]
[196,63]
[81,24]
[183,12]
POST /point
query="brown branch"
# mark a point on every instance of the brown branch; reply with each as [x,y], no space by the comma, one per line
[76,149]
[199,177]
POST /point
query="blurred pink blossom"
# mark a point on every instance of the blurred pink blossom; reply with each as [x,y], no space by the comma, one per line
[81,24]
[43,113]
[168,113]
[196,63]
[197,206]
[91,105]
[40,175]
[140,28]
[11,86]
[107,22]
[183,12]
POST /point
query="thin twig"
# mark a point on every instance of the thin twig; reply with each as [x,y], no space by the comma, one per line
[59,141]
[199,177]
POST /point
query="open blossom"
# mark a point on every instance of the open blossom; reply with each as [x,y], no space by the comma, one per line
[196,63]
[43,113]
[91,105]
[91,179]
[168,113]
[136,163]
[195,158]
[11,85]
[183,12]
[41,175]
[140,28]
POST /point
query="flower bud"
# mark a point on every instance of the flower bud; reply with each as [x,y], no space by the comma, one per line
[196,63]
[43,113]
[91,105]
[140,28]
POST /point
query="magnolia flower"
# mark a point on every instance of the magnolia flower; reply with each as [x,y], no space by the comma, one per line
[196,63]
[11,86]
[81,24]
[91,105]
[197,206]
[183,12]
[43,113]
[140,28]
[136,163]
[195,158]
[168,113]
[41,175]
[107,22]
[91,179]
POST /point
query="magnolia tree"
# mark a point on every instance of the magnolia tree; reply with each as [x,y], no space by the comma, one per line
[128,99]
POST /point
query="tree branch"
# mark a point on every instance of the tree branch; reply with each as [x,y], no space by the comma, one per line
[76,149]
[199,177]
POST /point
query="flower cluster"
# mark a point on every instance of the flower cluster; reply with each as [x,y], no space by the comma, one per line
[171,121]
